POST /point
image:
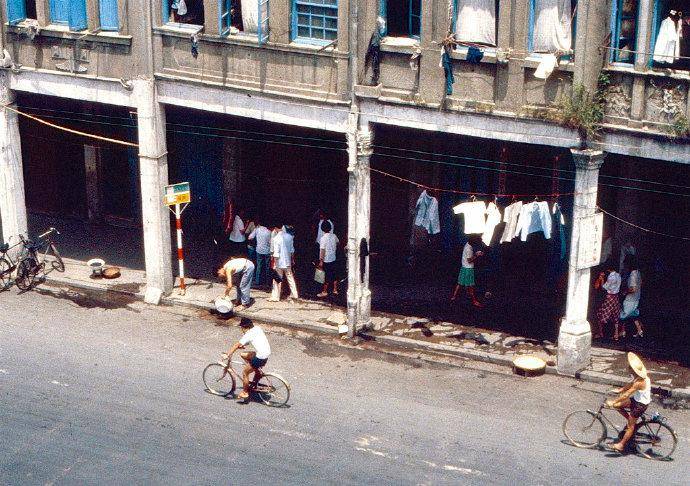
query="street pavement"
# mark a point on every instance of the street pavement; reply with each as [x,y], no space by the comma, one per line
[95,392]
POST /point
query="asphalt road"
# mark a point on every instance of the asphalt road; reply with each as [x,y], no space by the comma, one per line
[94,393]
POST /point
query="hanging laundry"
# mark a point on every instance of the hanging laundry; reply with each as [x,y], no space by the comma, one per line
[476,21]
[559,224]
[427,213]
[553,21]
[447,66]
[195,44]
[667,47]
[493,219]
[181,7]
[373,57]
[475,216]
[250,17]
[534,217]
[546,66]
[510,218]
[474,55]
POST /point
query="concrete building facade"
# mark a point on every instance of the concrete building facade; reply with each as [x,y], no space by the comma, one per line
[320,65]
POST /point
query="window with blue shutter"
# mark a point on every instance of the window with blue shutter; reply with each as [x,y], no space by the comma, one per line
[263,22]
[68,12]
[403,17]
[59,11]
[315,21]
[16,11]
[109,19]
[225,16]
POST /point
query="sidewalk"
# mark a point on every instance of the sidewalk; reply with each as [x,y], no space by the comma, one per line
[607,367]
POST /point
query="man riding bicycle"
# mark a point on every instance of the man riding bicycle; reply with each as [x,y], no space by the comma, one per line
[632,400]
[254,335]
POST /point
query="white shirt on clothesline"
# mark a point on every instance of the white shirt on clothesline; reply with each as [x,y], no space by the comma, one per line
[475,216]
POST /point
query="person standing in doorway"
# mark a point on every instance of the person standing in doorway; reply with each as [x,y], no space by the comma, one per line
[322,217]
[610,308]
[466,275]
[327,258]
[236,237]
[249,227]
[283,262]
[262,237]
[633,292]
[238,272]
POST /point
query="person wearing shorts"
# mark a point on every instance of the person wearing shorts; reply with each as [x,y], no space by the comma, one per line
[254,336]
[466,275]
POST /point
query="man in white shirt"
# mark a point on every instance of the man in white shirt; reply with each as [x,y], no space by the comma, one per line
[283,261]
[254,360]
[236,236]
[238,270]
[328,249]
[262,235]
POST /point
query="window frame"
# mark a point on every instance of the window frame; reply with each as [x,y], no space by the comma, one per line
[103,24]
[76,19]
[616,21]
[294,24]
[187,28]
[15,11]
[225,20]
[383,12]
[530,34]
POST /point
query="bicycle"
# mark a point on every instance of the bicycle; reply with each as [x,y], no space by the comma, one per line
[222,380]
[7,264]
[653,437]
[34,258]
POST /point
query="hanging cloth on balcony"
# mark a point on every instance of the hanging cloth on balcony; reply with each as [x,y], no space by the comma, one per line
[552,26]
[447,66]
[250,17]
[476,21]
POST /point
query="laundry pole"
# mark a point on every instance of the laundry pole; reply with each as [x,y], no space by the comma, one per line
[575,335]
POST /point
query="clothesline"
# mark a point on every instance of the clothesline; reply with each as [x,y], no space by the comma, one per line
[468,193]
[611,48]
[646,230]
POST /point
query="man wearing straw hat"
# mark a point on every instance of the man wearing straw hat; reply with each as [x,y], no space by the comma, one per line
[632,400]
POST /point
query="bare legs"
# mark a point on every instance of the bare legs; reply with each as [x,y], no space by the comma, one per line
[629,429]
[470,293]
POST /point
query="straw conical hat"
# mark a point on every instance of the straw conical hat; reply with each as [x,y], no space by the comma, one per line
[637,365]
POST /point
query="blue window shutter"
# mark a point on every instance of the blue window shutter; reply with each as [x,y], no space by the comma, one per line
[16,11]
[108,15]
[383,13]
[59,11]
[224,16]
[263,22]
[77,15]
[530,37]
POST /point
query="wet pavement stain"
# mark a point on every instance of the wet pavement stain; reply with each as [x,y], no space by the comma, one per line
[87,301]
[126,287]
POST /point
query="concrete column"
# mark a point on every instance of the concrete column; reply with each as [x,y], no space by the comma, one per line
[12,201]
[359,211]
[575,336]
[232,153]
[153,169]
[92,163]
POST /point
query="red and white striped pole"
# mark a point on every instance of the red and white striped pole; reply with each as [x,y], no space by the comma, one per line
[180,253]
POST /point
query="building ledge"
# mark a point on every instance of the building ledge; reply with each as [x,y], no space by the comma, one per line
[650,72]
[63,32]
[399,45]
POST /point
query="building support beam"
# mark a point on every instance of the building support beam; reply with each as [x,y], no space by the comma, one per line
[12,199]
[153,168]
[575,336]
[360,149]
[92,165]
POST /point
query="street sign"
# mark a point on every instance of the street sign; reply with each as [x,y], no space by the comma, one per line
[589,246]
[177,194]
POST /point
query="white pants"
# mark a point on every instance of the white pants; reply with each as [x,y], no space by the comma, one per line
[284,273]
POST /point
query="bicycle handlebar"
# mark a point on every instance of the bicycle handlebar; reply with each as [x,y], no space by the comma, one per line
[50,231]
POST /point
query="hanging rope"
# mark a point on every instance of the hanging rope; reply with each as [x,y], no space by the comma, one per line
[70,130]
[646,230]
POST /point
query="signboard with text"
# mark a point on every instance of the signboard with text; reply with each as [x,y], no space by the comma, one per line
[589,246]
[177,194]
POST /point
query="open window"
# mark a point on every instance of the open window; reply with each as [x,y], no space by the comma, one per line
[20,10]
[315,21]
[476,21]
[624,30]
[189,12]
[244,16]
[552,26]
[403,17]
[670,42]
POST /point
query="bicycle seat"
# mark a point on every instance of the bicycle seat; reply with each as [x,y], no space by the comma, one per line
[4,247]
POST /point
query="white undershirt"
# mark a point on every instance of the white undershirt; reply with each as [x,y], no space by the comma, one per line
[256,337]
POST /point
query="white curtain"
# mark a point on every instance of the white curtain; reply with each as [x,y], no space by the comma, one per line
[250,16]
[476,21]
[552,26]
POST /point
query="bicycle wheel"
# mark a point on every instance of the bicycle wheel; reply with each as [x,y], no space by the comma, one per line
[25,273]
[655,440]
[584,429]
[5,274]
[217,380]
[57,264]
[273,390]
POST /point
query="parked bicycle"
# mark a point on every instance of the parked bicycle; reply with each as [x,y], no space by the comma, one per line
[222,380]
[653,438]
[8,264]
[34,257]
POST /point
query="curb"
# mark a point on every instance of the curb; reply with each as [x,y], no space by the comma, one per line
[395,341]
